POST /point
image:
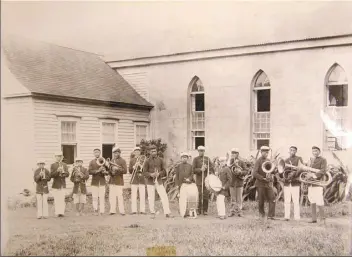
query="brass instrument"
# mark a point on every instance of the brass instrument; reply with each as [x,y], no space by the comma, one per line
[156,178]
[42,173]
[138,166]
[77,173]
[112,166]
[101,162]
[236,169]
[61,167]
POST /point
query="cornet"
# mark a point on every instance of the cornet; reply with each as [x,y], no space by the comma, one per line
[42,173]
[156,178]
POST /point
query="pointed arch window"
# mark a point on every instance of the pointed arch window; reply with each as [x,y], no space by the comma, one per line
[261,110]
[196,114]
[336,91]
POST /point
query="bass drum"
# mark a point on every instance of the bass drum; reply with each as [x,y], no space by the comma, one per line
[213,183]
[192,196]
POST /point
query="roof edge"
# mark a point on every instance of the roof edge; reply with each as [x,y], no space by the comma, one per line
[230,48]
[45,96]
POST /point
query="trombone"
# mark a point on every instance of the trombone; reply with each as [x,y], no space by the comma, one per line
[138,165]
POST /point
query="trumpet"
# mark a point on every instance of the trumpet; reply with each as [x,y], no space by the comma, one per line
[138,166]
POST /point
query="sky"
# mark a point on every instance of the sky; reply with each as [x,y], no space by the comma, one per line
[120,30]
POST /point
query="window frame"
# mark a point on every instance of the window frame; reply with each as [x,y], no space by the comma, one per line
[254,108]
[135,124]
[116,132]
[77,120]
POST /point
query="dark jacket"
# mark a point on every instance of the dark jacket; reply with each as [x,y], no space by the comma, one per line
[183,171]
[82,183]
[237,180]
[197,165]
[225,176]
[318,163]
[97,177]
[59,178]
[118,178]
[138,178]
[259,174]
[41,184]
[149,167]
[292,176]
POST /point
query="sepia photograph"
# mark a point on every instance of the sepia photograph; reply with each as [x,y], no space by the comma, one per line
[176,128]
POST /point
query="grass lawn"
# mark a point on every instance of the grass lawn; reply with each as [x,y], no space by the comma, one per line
[132,235]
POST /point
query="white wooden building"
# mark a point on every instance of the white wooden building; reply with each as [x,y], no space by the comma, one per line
[56,98]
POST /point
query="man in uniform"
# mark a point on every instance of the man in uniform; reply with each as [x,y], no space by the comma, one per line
[98,183]
[116,182]
[184,179]
[202,166]
[59,171]
[137,184]
[263,185]
[315,193]
[236,188]
[154,170]
[225,177]
[292,185]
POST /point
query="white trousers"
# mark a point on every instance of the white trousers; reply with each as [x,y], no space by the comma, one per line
[220,205]
[141,190]
[291,192]
[188,194]
[116,191]
[315,195]
[42,205]
[98,192]
[59,201]
[163,196]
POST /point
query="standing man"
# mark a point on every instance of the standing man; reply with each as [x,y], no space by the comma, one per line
[98,183]
[292,185]
[315,193]
[42,177]
[154,170]
[262,183]
[79,176]
[59,171]
[202,166]
[236,188]
[184,179]
[116,181]
[225,177]
[138,183]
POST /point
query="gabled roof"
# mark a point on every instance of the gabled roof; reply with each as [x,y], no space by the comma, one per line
[50,70]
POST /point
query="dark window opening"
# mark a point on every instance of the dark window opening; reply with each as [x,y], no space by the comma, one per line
[199,141]
[69,153]
[263,100]
[107,150]
[199,102]
[261,143]
[338,95]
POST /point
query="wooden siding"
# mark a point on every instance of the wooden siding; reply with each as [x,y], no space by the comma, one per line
[138,80]
[47,115]
[17,145]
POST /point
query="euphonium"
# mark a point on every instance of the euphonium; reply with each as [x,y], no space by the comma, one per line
[102,163]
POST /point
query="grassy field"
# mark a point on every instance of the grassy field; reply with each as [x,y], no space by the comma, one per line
[132,235]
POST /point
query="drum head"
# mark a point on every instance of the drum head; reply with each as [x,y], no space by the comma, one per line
[214,183]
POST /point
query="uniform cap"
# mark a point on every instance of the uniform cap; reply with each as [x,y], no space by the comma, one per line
[78,159]
[116,149]
[222,159]
[264,148]
[293,147]
[315,148]
[58,153]
[40,161]
[201,148]
[183,154]
[152,147]
[235,150]
[136,148]
[96,149]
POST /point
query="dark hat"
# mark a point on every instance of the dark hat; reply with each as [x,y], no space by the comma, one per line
[96,149]
[293,147]
[315,148]
[152,147]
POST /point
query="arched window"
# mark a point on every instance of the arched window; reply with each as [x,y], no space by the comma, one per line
[336,91]
[196,116]
[260,110]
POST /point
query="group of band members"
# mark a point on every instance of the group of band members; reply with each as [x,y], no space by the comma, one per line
[186,175]
[291,184]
